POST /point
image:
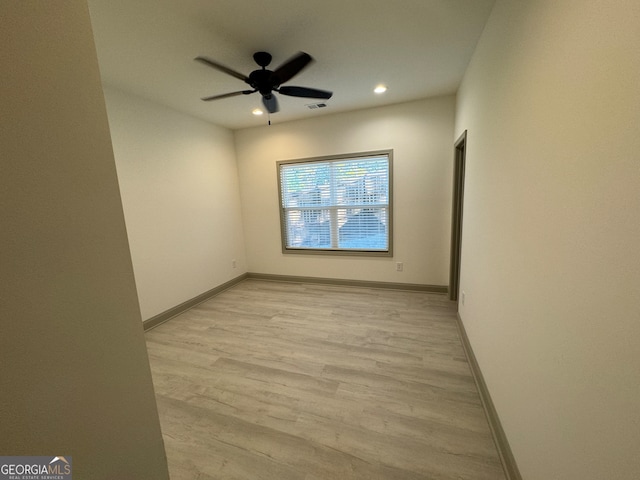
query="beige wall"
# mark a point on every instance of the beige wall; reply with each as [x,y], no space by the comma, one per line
[551,266]
[181,200]
[74,374]
[420,135]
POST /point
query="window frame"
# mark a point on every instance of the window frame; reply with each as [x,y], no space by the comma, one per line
[337,251]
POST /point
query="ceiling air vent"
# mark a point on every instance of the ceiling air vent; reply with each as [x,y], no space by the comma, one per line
[313,106]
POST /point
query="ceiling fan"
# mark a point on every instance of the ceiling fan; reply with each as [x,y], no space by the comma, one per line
[266,81]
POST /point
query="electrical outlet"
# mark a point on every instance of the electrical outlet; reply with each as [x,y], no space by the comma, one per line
[462,297]
[233,264]
[399,266]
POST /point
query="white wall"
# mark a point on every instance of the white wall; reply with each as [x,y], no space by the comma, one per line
[419,133]
[74,373]
[551,265]
[179,185]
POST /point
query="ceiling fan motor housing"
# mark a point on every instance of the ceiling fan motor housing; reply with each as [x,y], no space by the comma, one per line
[262,80]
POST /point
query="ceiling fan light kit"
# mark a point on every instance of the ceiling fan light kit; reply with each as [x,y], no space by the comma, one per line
[266,82]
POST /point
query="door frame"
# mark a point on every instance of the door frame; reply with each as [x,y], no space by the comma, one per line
[459,164]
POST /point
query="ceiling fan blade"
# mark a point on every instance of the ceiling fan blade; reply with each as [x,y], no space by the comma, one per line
[222,68]
[270,103]
[291,67]
[227,95]
[305,92]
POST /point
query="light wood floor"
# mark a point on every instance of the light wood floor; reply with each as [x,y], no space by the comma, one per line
[287,381]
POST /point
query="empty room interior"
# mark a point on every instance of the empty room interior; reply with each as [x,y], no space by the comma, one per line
[183,294]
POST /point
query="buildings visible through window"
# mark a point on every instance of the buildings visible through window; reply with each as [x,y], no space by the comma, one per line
[339,204]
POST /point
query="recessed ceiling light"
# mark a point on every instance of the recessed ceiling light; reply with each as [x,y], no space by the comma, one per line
[380,89]
[257,111]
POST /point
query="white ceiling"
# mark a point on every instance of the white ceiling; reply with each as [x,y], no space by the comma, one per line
[419,48]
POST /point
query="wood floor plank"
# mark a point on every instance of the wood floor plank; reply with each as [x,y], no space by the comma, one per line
[274,380]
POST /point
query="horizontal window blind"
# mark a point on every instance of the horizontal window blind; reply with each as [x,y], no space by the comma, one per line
[336,204]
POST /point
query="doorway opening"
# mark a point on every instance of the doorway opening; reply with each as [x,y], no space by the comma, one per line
[460,148]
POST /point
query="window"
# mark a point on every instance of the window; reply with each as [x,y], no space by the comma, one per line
[337,205]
